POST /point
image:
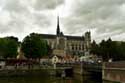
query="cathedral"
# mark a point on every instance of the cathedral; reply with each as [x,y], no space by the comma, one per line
[63,45]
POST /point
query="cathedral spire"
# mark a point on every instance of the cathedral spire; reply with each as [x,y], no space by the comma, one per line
[58,26]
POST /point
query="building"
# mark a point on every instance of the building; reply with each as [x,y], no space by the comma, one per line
[68,45]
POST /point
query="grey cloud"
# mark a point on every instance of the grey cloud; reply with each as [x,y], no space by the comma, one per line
[21,17]
[14,6]
[41,20]
[73,25]
[19,5]
[15,25]
[25,21]
[103,15]
[44,4]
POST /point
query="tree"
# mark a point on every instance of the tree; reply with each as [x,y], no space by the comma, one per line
[94,48]
[12,38]
[120,51]
[8,47]
[33,46]
[106,49]
[109,49]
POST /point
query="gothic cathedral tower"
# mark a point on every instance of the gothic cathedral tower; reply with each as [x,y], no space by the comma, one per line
[60,41]
[58,27]
[87,43]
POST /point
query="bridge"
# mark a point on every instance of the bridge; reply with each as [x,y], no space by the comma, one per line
[87,68]
[82,68]
[92,67]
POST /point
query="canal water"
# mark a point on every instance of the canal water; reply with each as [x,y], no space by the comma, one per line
[49,79]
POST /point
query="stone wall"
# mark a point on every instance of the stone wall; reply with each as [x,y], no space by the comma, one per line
[114,71]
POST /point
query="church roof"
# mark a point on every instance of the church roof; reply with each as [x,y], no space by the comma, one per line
[52,36]
[48,36]
[74,37]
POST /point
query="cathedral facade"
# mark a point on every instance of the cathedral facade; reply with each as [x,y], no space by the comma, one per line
[62,45]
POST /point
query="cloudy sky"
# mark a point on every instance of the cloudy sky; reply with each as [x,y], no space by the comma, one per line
[104,18]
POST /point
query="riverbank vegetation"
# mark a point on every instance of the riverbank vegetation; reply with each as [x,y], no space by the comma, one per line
[108,49]
[33,46]
[8,47]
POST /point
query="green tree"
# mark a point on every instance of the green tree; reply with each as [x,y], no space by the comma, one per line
[94,48]
[8,47]
[109,49]
[120,51]
[33,46]
[106,49]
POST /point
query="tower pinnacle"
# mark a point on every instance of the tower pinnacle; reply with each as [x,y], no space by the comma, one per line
[58,26]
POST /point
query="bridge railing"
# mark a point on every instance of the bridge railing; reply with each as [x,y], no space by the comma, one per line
[120,64]
[88,65]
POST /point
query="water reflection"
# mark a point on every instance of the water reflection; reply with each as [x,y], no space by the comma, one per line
[87,79]
[43,79]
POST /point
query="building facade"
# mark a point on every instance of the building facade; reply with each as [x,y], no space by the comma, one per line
[62,45]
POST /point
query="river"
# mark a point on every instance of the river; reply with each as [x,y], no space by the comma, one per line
[49,79]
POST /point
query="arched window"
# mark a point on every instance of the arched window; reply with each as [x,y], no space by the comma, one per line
[79,47]
[76,48]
